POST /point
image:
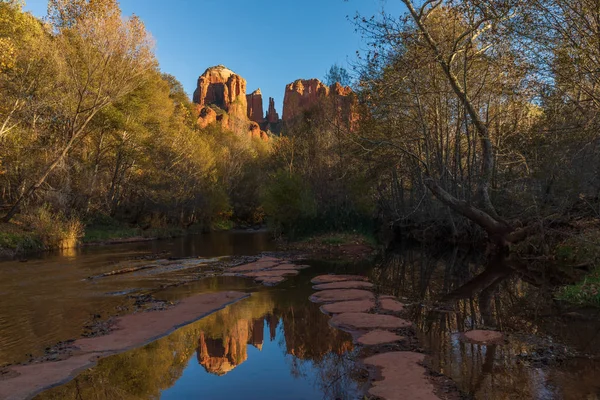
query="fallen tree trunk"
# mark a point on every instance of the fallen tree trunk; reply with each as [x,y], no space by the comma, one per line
[500,232]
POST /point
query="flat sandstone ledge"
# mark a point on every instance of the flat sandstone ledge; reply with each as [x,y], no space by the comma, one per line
[335,295]
[377,337]
[403,377]
[483,337]
[363,321]
[344,285]
[348,306]
[337,278]
[131,331]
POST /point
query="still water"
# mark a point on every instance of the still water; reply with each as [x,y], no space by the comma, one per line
[278,345]
[273,345]
[551,352]
[49,299]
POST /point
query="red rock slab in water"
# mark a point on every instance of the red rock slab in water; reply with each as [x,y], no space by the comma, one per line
[361,321]
[254,266]
[391,305]
[403,377]
[378,336]
[483,337]
[131,331]
[271,281]
[337,278]
[288,266]
[344,285]
[270,273]
[269,258]
[348,306]
[387,296]
[332,296]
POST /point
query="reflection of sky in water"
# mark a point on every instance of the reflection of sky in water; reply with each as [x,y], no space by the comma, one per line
[264,375]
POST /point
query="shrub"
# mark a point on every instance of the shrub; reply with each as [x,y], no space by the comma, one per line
[585,293]
[55,230]
[287,201]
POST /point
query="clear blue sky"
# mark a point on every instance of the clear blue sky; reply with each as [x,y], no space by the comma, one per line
[270,43]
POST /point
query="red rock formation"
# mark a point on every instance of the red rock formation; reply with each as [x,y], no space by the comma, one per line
[306,95]
[272,116]
[255,106]
[345,103]
[301,96]
[254,130]
[222,87]
[339,90]
[206,116]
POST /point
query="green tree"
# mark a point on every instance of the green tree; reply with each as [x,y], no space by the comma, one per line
[338,74]
[101,58]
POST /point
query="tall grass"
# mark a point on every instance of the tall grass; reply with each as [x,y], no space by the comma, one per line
[55,230]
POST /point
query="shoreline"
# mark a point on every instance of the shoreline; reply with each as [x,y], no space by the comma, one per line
[131,331]
[8,254]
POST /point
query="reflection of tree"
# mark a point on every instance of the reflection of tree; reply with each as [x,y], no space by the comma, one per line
[138,374]
[220,341]
[308,335]
[463,291]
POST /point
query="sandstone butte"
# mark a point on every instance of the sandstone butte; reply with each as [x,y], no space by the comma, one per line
[221,98]
[310,94]
[222,88]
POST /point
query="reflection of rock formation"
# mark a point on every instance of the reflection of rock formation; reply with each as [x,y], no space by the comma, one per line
[257,337]
[306,331]
[220,355]
[273,322]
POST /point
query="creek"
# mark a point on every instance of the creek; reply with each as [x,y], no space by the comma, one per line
[276,344]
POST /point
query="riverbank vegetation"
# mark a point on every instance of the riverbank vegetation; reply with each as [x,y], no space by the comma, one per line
[482,119]
[91,131]
[487,110]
